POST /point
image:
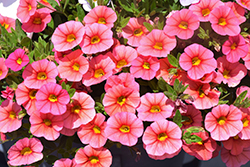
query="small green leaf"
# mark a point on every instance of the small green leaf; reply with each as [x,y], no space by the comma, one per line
[53,3]
[177,118]
[173,61]
[80,13]
[71,92]
[148,26]
[239,99]
[124,22]
[162,84]
[195,138]
[176,85]
[63,84]
[26,41]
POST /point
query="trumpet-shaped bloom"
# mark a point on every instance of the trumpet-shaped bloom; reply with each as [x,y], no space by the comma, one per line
[8,93]
[224,21]
[39,73]
[245,133]
[93,132]
[236,145]
[26,9]
[59,56]
[124,127]
[3,69]
[244,3]
[73,66]
[64,162]
[68,132]
[7,23]
[182,23]
[25,151]
[17,60]
[238,11]
[68,35]
[193,117]
[162,137]
[246,59]
[93,157]
[51,98]
[156,44]
[101,15]
[223,122]
[197,61]
[154,106]
[121,99]
[97,38]
[9,120]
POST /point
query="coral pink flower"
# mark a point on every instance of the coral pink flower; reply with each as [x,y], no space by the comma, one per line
[17,60]
[120,99]
[3,69]
[164,156]
[235,48]
[73,66]
[93,157]
[245,133]
[224,21]
[60,55]
[242,89]
[203,8]
[51,98]
[93,132]
[46,125]
[246,59]
[207,78]
[80,111]
[25,151]
[9,120]
[37,22]
[124,127]
[134,31]
[197,61]
[100,68]
[68,35]
[7,23]
[203,150]
[193,117]
[145,67]
[64,162]
[26,97]
[231,73]
[236,145]
[156,44]
[238,11]
[26,9]
[8,93]
[154,106]
[223,122]
[162,137]
[244,3]
[68,132]
[101,15]
[182,23]
[97,38]
[125,79]
[39,73]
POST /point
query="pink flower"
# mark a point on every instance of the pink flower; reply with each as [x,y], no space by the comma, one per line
[17,60]
[197,61]
[64,162]
[182,23]
[68,132]
[25,151]
[9,120]
[97,38]
[93,132]
[145,67]
[26,9]
[94,157]
[7,23]
[73,66]
[236,145]
[246,58]
[154,107]
[193,117]
[51,98]
[223,122]
[68,35]
[238,11]
[124,127]
[59,56]
[244,3]
[121,99]
[245,132]
[224,21]
[39,73]
[8,93]
[101,15]
[162,137]
[164,156]
[156,44]
[3,69]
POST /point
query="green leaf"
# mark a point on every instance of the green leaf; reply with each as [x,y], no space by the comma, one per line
[148,26]
[176,84]
[195,138]
[125,6]
[173,61]
[80,13]
[177,118]
[26,41]
[162,84]
[71,92]
[170,95]
[124,22]
[239,99]
[63,84]
[53,3]
[195,129]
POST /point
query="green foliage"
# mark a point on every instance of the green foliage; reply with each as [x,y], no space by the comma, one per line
[80,13]
[189,134]
[241,101]
[177,118]
[173,61]
[148,26]
[203,34]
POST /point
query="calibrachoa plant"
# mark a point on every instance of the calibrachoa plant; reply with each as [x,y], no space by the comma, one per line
[167,75]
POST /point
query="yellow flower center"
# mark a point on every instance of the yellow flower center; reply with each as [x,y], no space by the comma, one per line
[32,94]
[99,73]
[37,20]
[200,142]
[45,1]
[183,25]
[47,122]
[96,129]
[236,137]
[158,45]
[245,122]
[41,76]
[52,98]
[205,12]
[76,109]
[222,21]
[19,61]
[95,39]
[233,46]
[12,115]
[155,108]
[221,120]
[196,61]
[93,159]
[146,65]
[121,63]
[188,121]
[5,25]
[124,128]
[76,67]
[138,32]
[101,20]
[26,151]
[162,136]
[29,7]
[201,92]
[1,72]
[226,74]
[243,2]
[121,100]
[71,38]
